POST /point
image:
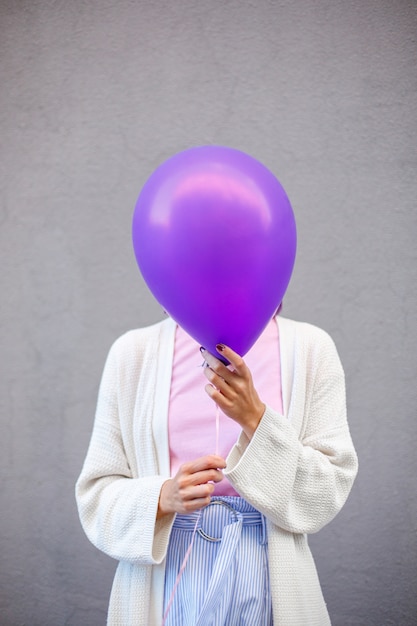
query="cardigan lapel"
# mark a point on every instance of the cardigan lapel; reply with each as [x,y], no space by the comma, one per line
[286,332]
[165,357]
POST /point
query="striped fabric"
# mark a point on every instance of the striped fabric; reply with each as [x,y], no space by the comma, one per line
[225,581]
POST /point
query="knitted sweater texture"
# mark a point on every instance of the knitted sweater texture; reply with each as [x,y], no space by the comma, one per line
[297,470]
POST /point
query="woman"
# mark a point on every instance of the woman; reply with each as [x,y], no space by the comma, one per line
[282,468]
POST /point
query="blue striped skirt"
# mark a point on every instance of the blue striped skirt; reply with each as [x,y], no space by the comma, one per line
[226,580]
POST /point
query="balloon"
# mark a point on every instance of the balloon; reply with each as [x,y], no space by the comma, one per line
[215,239]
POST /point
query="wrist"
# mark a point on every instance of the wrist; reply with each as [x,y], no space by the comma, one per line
[163,508]
[250,427]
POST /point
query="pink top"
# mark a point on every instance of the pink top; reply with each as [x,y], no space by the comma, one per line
[192,413]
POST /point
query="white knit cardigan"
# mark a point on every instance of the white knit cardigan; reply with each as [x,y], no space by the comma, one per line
[297,470]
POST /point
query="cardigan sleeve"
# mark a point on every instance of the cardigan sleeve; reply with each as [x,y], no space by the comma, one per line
[301,483]
[116,509]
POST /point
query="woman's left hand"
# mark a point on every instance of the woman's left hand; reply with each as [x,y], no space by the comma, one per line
[232,389]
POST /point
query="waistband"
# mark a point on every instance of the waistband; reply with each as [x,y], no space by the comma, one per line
[222,511]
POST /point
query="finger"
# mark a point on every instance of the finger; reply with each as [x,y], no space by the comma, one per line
[212,475]
[210,461]
[217,381]
[217,366]
[233,357]
[195,505]
[198,492]
[206,476]
[215,395]
[221,399]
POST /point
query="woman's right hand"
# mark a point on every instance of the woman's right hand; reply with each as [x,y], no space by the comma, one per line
[192,486]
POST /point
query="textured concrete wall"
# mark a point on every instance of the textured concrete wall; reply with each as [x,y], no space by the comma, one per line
[94,95]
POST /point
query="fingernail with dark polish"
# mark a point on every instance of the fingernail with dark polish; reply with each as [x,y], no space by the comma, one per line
[202,349]
[220,347]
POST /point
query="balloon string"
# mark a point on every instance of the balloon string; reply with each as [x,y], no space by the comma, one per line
[217,429]
[190,547]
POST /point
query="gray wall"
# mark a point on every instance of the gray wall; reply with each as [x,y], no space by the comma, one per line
[94,95]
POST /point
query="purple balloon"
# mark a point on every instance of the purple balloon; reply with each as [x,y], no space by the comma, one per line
[215,239]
